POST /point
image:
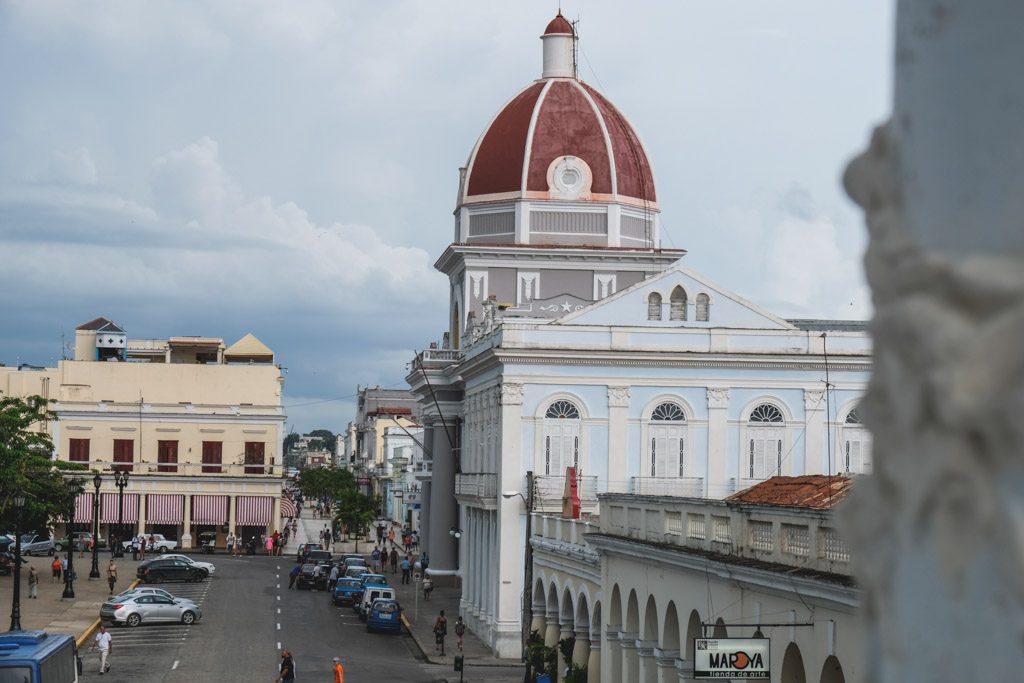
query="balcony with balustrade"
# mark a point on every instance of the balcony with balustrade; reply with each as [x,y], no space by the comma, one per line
[549,490]
[686,487]
[479,489]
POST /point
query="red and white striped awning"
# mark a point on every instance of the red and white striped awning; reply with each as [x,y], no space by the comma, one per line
[254,510]
[209,509]
[165,508]
[287,509]
[83,508]
[109,508]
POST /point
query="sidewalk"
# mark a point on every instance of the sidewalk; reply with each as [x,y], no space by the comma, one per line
[48,612]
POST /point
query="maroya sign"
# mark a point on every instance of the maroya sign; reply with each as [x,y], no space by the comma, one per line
[739,658]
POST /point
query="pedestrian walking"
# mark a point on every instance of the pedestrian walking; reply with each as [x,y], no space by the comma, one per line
[63,567]
[391,537]
[440,631]
[111,575]
[142,547]
[33,582]
[424,562]
[394,561]
[460,630]
[428,588]
[294,574]
[287,670]
[103,645]
[332,579]
[135,548]
[339,672]
[375,556]
[231,544]
[406,567]
[269,545]
[57,570]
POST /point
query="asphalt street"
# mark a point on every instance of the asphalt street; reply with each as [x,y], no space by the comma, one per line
[248,613]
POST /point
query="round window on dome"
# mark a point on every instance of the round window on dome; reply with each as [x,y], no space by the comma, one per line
[569,177]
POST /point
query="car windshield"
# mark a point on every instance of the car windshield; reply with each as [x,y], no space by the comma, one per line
[27,538]
[308,567]
[350,583]
[373,578]
[385,607]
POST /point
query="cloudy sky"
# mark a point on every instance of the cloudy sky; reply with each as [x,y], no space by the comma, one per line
[289,168]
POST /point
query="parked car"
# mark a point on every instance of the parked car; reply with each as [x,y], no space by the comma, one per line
[353,560]
[384,615]
[372,593]
[312,576]
[34,544]
[208,566]
[347,591]
[306,548]
[375,579]
[356,572]
[159,570]
[148,590]
[137,609]
[79,540]
[155,543]
[319,557]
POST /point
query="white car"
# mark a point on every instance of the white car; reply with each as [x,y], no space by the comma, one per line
[208,566]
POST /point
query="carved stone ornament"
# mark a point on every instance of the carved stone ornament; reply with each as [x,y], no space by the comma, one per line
[814,399]
[618,397]
[512,393]
[718,397]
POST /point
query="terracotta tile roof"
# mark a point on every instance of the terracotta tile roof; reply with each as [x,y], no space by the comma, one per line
[816,491]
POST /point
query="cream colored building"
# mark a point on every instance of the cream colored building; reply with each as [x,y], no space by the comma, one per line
[198,425]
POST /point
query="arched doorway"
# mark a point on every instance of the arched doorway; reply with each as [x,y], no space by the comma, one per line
[793,666]
[832,671]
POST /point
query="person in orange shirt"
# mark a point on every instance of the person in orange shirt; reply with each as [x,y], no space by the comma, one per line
[339,672]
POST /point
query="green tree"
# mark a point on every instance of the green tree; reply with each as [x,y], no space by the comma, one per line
[26,465]
[328,439]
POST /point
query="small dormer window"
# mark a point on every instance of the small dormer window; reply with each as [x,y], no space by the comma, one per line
[654,306]
[677,304]
[703,308]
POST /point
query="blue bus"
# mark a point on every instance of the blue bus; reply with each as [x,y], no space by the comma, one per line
[38,657]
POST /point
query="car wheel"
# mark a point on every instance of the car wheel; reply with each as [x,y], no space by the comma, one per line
[58,547]
[162,549]
[133,620]
[188,618]
[156,578]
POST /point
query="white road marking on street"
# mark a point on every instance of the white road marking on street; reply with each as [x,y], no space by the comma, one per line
[278,597]
[279,586]
[278,626]
[277,575]
[175,665]
[279,645]
[278,610]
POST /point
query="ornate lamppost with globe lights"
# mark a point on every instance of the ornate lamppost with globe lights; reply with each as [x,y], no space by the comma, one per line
[19,505]
[94,571]
[120,481]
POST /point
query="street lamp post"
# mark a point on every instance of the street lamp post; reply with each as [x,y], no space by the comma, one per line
[94,572]
[19,504]
[69,573]
[120,481]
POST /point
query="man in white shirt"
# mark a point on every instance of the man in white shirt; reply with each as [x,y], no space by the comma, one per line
[103,644]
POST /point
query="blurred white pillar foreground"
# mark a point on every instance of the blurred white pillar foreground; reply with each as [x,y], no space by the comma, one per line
[939,529]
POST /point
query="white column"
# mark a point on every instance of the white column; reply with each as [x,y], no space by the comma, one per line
[441,546]
[648,663]
[630,658]
[611,654]
[816,459]
[618,447]
[937,528]
[231,514]
[551,629]
[718,459]
[509,522]
[186,535]
[594,662]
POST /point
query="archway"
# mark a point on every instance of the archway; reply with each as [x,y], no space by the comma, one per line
[615,625]
[793,666]
[693,631]
[551,614]
[670,634]
[720,630]
[631,630]
[832,671]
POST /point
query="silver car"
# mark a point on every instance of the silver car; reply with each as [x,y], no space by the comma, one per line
[148,590]
[150,608]
[32,544]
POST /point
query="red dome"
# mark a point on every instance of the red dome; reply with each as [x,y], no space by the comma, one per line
[559,25]
[554,118]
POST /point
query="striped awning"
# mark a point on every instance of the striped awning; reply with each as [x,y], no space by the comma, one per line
[83,508]
[287,509]
[254,510]
[165,508]
[109,508]
[209,509]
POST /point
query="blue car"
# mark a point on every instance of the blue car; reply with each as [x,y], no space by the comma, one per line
[347,592]
[384,615]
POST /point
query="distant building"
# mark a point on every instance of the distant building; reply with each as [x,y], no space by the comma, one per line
[197,424]
[377,410]
[638,585]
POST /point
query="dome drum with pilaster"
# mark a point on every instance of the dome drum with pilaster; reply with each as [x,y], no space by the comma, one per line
[560,140]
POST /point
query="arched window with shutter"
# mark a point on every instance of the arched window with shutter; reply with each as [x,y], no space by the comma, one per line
[765,432]
[856,445]
[703,308]
[654,306]
[667,431]
[561,437]
[677,304]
